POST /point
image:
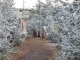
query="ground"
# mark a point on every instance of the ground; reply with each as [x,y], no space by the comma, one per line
[34,49]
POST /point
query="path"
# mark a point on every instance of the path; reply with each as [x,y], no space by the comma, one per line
[34,49]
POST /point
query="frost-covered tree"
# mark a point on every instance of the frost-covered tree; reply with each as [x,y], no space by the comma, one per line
[69,30]
[9,26]
[63,21]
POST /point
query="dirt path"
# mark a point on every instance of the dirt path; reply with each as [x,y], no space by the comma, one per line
[34,49]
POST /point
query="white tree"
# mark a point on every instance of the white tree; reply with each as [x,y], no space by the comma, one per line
[9,26]
[62,18]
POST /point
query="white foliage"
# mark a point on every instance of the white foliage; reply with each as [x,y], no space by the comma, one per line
[63,22]
[9,25]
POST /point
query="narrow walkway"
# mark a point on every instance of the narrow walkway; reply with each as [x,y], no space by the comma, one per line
[34,49]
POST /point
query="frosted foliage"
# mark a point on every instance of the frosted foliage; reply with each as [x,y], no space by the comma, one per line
[63,22]
[68,21]
[36,22]
[8,24]
[67,18]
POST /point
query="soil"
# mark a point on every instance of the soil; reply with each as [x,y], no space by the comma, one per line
[34,49]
